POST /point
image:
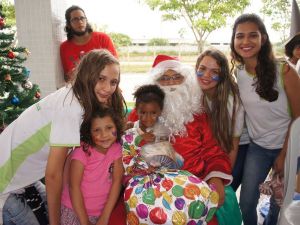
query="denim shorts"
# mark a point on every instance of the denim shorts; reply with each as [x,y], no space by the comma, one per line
[16,211]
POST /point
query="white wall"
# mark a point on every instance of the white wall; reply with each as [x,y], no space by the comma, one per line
[40,29]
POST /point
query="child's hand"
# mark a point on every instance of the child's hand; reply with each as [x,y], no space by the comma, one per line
[218,183]
[151,169]
[129,125]
[148,137]
[103,220]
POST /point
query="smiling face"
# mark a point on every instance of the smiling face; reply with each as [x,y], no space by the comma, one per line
[207,72]
[107,83]
[248,40]
[103,133]
[148,114]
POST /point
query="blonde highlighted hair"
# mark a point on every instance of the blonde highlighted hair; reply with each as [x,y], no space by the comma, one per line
[222,123]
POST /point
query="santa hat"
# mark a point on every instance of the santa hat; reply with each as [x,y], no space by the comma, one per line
[165,62]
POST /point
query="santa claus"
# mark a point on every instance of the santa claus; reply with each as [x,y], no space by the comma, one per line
[188,124]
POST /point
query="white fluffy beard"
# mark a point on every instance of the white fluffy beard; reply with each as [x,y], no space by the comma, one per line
[180,103]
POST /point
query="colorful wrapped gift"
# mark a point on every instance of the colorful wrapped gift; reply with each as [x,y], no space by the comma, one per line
[165,195]
[169,197]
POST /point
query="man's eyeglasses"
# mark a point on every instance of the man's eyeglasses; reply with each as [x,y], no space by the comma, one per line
[77,19]
[214,77]
[174,77]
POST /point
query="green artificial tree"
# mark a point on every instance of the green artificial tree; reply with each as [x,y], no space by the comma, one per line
[16,91]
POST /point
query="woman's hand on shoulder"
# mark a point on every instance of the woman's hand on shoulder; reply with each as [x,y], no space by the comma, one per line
[103,220]
[129,125]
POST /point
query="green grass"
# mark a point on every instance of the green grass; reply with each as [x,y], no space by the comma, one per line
[137,68]
[145,61]
[123,54]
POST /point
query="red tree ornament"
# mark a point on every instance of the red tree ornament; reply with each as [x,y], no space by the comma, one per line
[11,54]
[2,22]
[7,77]
[37,95]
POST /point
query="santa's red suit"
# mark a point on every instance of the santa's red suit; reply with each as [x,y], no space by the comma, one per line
[202,155]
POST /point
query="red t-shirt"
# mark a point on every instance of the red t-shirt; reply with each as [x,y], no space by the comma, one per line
[70,53]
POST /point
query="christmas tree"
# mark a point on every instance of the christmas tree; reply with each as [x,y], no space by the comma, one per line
[16,91]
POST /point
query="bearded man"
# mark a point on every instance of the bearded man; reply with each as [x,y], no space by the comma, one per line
[188,124]
[80,39]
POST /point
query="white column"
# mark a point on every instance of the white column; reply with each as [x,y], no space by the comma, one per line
[40,28]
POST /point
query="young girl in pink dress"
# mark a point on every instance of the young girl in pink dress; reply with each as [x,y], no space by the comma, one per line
[95,172]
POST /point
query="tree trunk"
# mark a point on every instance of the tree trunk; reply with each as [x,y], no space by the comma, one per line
[200,46]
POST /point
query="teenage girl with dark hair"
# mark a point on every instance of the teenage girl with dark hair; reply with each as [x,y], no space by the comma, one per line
[270,93]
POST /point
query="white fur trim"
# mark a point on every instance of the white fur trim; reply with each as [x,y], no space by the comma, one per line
[168,64]
[224,176]
[162,67]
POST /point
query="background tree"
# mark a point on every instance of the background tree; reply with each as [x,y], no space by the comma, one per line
[202,16]
[100,28]
[120,39]
[16,91]
[158,42]
[279,12]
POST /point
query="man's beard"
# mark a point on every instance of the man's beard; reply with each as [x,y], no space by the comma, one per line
[79,33]
[180,103]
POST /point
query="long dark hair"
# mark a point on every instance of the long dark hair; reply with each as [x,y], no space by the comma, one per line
[266,66]
[222,122]
[85,129]
[68,28]
[86,77]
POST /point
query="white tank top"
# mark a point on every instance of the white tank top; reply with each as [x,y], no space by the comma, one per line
[267,122]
